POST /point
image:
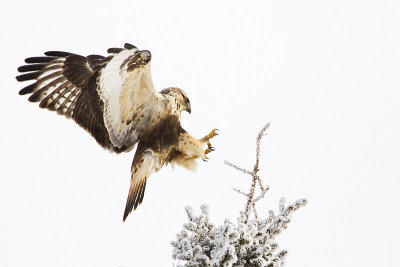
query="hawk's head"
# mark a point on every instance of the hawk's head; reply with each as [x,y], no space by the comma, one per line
[181,101]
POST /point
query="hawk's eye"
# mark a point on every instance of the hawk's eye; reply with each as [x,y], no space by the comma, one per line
[186,100]
[165,91]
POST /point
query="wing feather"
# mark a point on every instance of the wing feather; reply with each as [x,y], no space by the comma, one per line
[32,67]
[70,94]
[60,98]
[58,54]
[46,102]
[114,50]
[129,46]
[28,76]
[40,59]
[50,88]
[72,103]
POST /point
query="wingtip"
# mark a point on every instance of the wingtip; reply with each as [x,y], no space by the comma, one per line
[45,59]
[57,54]
[28,76]
[114,50]
[28,89]
[129,46]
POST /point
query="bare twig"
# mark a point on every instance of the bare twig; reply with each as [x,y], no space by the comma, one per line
[258,141]
[238,167]
[255,178]
[260,184]
[250,198]
[240,192]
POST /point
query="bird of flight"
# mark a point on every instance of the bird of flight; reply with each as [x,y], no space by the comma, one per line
[114,99]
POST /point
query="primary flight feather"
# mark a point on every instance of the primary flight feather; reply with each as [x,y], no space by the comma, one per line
[114,99]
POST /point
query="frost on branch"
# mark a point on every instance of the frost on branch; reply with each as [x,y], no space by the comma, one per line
[249,242]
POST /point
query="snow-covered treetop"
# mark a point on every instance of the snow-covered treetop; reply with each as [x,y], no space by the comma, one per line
[248,242]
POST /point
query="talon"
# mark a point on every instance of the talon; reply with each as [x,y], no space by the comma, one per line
[208,150]
[211,148]
[205,159]
[213,133]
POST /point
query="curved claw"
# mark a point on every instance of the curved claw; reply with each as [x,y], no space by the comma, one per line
[206,159]
[211,148]
[213,133]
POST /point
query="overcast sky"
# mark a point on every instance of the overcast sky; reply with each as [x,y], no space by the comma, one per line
[325,73]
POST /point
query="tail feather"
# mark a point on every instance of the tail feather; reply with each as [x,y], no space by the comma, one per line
[135,197]
[145,162]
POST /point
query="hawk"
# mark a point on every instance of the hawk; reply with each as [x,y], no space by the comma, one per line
[114,99]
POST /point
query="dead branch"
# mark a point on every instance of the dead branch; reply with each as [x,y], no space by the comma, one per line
[240,192]
[238,168]
[250,205]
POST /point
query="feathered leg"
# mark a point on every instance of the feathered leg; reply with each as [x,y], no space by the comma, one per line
[190,148]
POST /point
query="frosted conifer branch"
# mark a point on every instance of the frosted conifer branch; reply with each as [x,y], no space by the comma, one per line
[282,204]
[248,243]
[262,194]
[201,243]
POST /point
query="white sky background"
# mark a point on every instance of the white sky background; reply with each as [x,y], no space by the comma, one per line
[326,73]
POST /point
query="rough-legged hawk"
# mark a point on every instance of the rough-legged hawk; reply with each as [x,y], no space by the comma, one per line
[114,99]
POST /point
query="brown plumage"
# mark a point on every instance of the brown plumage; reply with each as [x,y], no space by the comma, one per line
[114,99]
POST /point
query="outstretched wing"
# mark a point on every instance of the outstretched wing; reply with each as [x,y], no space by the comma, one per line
[111,97]
[60,78]
[145,162]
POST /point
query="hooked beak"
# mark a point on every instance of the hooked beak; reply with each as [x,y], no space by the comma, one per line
[188,109]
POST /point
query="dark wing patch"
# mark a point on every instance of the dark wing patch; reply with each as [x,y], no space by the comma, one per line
[89,115]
